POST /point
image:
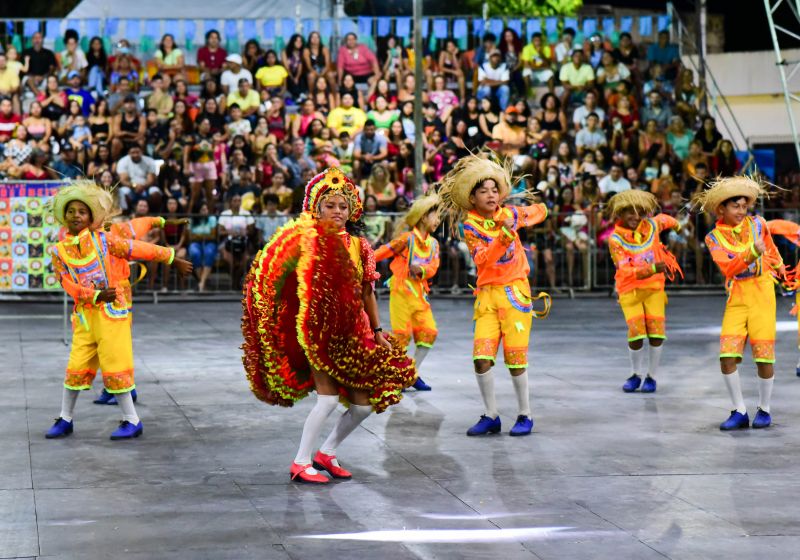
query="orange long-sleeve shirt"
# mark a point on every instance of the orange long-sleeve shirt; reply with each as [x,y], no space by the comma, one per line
[785,228]
[88,262]
[497,251]
[634,253]
[732,249]
[424,250]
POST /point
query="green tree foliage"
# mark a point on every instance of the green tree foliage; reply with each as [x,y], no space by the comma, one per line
[540,8]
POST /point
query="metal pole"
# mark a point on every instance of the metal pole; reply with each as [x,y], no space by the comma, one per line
[418,132]
[781,63]
[702,42]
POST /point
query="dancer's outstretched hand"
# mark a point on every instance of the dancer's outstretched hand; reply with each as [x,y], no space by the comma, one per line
[660,267]
[381,341]
[183,266]
[108,295]
[509,224]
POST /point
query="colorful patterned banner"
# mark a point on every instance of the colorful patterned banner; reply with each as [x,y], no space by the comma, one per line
[26,234]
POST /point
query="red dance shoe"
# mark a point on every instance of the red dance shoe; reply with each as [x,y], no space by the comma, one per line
[300,473]
[323,462]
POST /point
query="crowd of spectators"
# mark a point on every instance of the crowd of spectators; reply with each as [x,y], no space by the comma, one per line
[233,140]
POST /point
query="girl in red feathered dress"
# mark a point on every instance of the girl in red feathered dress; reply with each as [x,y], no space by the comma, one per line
[311,323]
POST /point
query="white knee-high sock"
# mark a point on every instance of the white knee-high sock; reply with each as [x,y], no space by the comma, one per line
[125,401]
[765,393]
[323,408]
[419,355]
[68,399]
[637,360]
[348,422]
[486,386]
[734,385]
[655,360]
[521,389]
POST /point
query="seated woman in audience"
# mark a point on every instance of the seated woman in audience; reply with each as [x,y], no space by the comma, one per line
[211,90]
[406,91]
[67,122]
[123,67]
[98,66]
[627,53]
[180,111]
[393,59]
[382,90]
[279,188]
[102,161]
[292,59]
[539,140]
[253,56]
[678,137]
[203,244]
[652,140]
[695,157]
[396,136]
[100,122]
[211,112]
[381,187]
[313,135]
[308,112]
[610,73]
[552,116]
[628,117]
[182,94]
[688,97]
[276,119]
[349,86]
[451,66]
[489,116]
[382,115]
[565,162]
[317,61]
[708,135]
[34,169]
[375,221]
[169,59]
[724,162]
[40,129]
[53,99]
[444,99]
[272,75]
[469,112]
[260,138]
[270,162]
[407,120]
[322,95]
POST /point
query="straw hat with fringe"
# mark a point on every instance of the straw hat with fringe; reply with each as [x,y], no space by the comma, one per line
[644,203]
[99,200]
[468,173]
[419,210]
[730,187]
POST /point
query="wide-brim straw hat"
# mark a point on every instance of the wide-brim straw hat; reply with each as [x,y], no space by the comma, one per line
[99,200]
[468,173]
[730,187]
[643,202]
[420,208]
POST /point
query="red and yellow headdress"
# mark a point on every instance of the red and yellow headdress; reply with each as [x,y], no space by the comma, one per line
[331,182]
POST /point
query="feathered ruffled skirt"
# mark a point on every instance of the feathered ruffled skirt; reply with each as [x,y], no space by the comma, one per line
[303,311]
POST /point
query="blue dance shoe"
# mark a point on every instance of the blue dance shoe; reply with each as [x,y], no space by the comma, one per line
[762,419]
[420,385]
[736,421]
[61,428]
[649,385]
[522,427]
[632,383]
[485,426]
[127,430]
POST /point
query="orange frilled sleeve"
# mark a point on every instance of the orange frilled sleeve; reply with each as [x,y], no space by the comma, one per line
[130,249]
[81,294]
[137,228]
[394,248]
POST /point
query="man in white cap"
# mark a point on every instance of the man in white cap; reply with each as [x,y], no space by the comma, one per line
[235,72]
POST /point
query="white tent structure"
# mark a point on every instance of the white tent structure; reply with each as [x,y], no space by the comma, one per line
[183,9]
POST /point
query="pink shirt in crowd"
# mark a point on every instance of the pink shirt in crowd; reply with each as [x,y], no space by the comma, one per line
[358,64]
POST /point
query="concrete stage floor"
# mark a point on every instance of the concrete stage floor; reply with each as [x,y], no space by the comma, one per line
[605,475]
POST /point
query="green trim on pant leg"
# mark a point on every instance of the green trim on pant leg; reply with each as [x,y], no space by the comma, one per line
[118,391]
[517,366]
[659,336]
[424,345]
[77,387]
[731,356]
[763,361]
[490,358]
[635,338]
